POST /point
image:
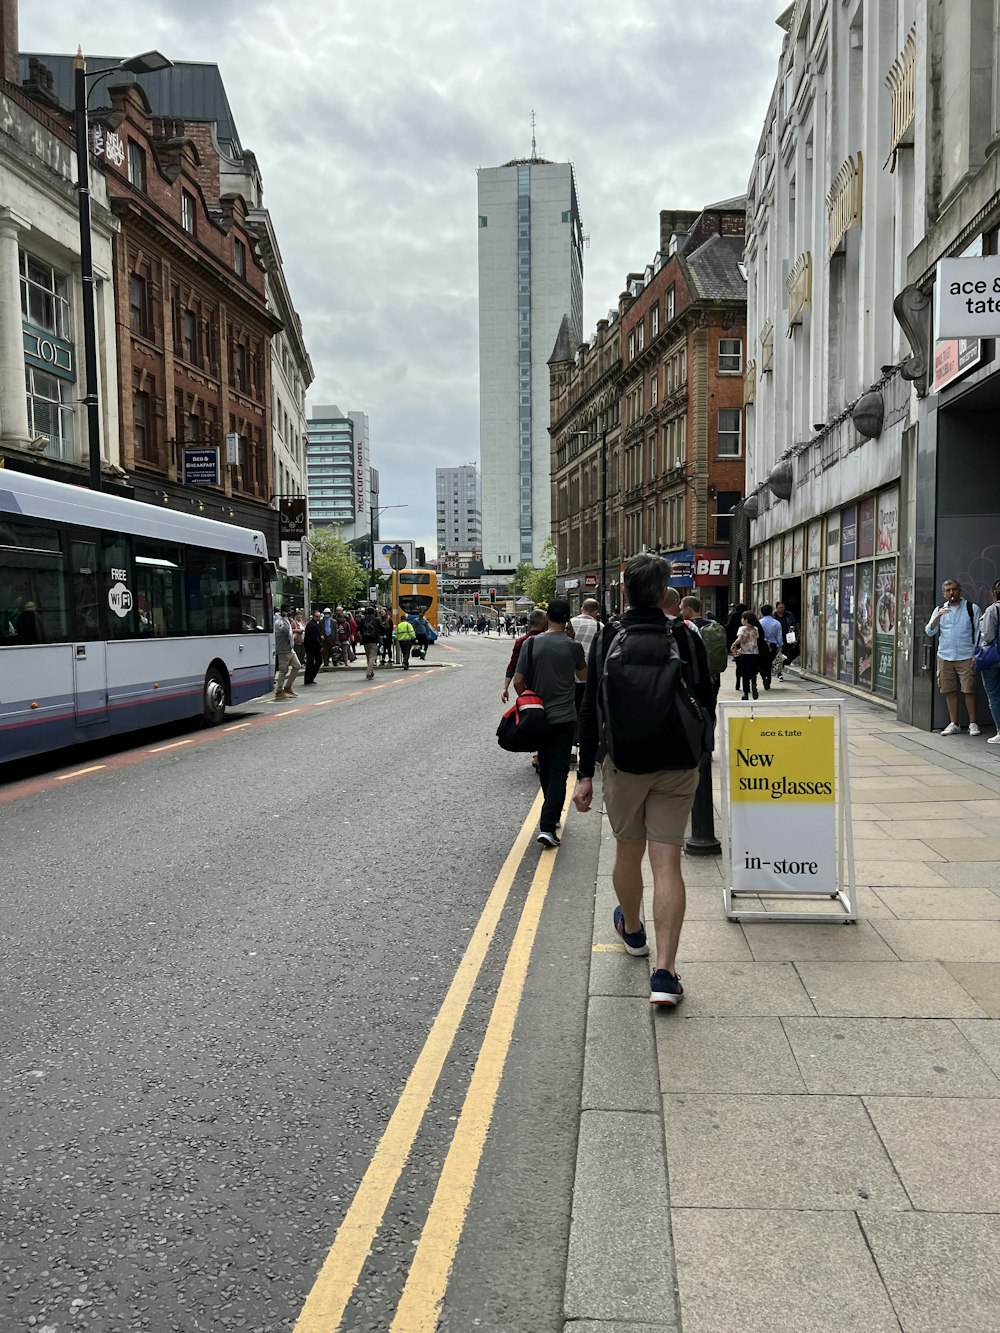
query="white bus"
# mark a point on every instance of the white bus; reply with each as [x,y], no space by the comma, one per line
[116,614]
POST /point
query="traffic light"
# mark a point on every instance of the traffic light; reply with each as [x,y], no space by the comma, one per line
[421,556]
[493,596]
[475,598]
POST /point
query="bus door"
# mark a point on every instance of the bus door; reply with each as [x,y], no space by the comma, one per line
[90,652]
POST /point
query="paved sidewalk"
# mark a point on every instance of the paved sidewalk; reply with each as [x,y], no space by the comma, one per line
[811,1141]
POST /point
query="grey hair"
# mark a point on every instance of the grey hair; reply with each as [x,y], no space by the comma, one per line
[536,618]
[646,578]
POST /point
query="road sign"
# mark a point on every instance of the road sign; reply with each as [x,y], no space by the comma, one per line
[397,558]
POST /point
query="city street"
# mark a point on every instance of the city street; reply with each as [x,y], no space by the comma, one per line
[225,952]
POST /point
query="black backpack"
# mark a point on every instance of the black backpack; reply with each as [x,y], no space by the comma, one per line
[648,716]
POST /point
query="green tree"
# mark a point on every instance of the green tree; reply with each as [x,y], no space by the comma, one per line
[336,577]
[540,584]
[523,572]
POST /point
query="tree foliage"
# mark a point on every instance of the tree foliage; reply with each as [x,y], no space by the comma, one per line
[523,572]
[540,584]
[336,577]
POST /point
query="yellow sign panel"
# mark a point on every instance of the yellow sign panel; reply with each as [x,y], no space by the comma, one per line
[782,760]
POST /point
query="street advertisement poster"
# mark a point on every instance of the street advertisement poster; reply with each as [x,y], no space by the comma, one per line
[384,550]
[833,539]
[866,528]
[813,621]
[888,522]
[864,620]
[885,627]
[797,549]
[847,625]
[831,623]
[201,467]
[953,358]
[848,532]
[783,810]
[813,560]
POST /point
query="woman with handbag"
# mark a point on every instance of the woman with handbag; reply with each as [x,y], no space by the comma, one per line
[987,658]
[746,650]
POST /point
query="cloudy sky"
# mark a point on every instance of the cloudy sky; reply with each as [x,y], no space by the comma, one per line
[369,121]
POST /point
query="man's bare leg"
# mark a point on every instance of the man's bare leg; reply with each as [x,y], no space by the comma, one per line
[970,706]
[669,901]
[627,880]
[952,701]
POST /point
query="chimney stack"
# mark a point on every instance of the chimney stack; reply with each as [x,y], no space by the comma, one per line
[9,53]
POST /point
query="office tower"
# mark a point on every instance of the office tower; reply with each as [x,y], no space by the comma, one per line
[459,509]
[339,471]
[530,277]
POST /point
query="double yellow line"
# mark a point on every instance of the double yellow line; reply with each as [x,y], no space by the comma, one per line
[427,1282]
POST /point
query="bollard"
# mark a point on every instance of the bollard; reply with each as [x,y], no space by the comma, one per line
[703,841]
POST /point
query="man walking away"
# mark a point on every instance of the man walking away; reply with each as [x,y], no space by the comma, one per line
[651,728]
[585,627]
[551,663]
[328,633]
[536,623]
[773,638]
[288,663]
[406,637]
[713,636]
[371,633]
[312,646]
[954,623]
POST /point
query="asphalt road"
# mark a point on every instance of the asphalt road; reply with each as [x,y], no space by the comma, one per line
[221,957]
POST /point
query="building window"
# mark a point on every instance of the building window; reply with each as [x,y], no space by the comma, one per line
[482,219]
[669,305]
[631,346]
[641,336]
[189,337]
[654,321]
[730,356]
[187,211]
[138,299]
[44,299]
[136,165]
[50,411]
[730,432]
[142,428]
[240,259]
[654,388]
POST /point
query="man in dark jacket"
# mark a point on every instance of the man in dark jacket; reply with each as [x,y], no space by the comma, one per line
[312,647]
[645,808]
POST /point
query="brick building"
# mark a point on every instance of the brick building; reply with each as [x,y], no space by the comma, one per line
[193,353]
[658,397]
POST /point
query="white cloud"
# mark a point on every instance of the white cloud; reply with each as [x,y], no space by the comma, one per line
[369,121]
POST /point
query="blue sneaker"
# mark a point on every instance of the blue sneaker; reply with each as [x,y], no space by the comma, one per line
[635,943]
[665,988]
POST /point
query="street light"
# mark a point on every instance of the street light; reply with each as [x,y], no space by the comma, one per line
[147,63]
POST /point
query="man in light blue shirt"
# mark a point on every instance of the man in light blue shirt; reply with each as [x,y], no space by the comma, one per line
[773,638]
[954,625]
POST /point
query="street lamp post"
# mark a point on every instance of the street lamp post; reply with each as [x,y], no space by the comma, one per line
[147,63]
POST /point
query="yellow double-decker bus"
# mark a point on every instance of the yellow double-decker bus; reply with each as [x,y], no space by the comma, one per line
[417,594]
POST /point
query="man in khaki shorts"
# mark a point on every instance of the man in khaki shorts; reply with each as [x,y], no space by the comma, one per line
[955,624]
[645,808]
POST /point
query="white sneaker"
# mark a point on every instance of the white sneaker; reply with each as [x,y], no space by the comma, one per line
[974,729]
[993,740]
[952,729]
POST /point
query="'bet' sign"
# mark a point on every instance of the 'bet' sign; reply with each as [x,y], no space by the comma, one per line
[711,568]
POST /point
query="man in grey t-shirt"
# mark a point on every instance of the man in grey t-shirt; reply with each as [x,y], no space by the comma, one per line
[551,664]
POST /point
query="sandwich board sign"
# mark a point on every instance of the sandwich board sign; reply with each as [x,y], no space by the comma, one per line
[786,810]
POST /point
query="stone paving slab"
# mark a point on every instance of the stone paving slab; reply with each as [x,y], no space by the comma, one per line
[885,873]
[744,988]
[620,1053]
[984,808]
[982,981]
[922,829]
[777,1152]
[868,905]
[944,1149]
[620,1267]
[886,990]
[949,904]
[875,846]
[890,1057]
[712,941]
[922,809]
[832,940]
[942,1270]
[602,1326]
[966,849]
[948,941]
[984,1039]
[748,1055]
[615,973]
[777,1272]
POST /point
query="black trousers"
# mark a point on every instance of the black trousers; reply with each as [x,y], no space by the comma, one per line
[553,770]
[314,659]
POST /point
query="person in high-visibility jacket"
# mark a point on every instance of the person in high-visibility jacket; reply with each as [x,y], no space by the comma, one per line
[406,637]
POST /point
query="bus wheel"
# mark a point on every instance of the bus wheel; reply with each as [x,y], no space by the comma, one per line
[214,706]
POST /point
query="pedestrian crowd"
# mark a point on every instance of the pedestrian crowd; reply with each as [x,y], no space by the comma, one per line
[330,639]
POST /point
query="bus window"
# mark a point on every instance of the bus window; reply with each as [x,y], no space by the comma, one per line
[86,591]
[32,583]
[160,589]
[118,586]
[254,603]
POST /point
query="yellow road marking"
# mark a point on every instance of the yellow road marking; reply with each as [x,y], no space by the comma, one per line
[420,1306]
[608,948]
[94,768]
[335,1283]
[172,746]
